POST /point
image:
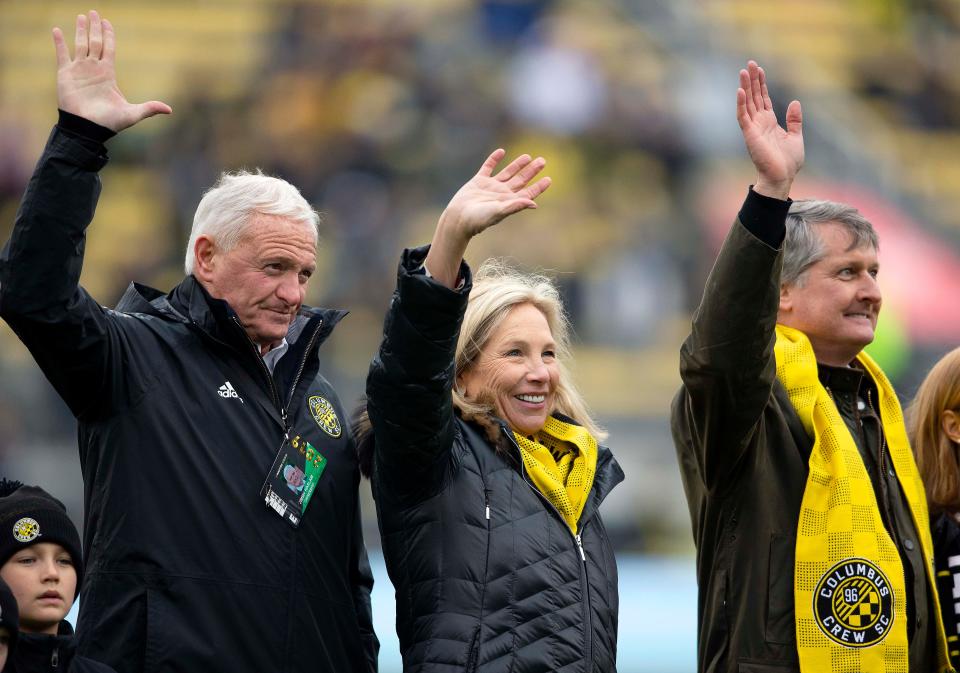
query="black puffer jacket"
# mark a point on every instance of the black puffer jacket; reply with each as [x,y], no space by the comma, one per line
[179,423]
[488,576]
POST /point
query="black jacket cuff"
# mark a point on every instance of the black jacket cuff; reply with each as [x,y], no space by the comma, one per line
[84,129]
[765,217]
[435,309]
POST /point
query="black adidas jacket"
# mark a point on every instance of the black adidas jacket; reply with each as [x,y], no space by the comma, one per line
[488,576]
[187,569]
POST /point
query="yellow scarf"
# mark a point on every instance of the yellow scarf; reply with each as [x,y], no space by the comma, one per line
[850,598]
[563,474]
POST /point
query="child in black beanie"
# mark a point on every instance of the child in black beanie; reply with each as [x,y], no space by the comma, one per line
[40,561]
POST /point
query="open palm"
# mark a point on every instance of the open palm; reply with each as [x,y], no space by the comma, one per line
[777,152]
[87,83]
[486,199]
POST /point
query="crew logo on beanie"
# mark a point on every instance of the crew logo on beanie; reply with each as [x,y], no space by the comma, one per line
[26,529]
[28,516]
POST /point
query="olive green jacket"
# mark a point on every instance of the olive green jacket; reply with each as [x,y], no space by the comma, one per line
[743,456]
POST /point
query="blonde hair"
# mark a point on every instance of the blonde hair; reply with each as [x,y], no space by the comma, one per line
[936,453]
[497,288]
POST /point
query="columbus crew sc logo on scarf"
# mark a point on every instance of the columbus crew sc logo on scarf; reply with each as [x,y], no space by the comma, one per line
[853,603]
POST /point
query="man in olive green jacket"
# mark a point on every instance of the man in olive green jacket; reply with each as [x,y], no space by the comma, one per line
[742,447]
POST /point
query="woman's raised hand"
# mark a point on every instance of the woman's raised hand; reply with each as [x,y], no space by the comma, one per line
[482,202]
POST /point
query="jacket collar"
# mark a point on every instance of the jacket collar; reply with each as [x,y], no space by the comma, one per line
[35,651]
[608,473]
[190,303]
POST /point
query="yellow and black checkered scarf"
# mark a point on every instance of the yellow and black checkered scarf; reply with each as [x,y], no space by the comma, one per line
[561,460]
[850,598]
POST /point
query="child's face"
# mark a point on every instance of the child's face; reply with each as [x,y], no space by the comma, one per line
[44,582]
[4,645]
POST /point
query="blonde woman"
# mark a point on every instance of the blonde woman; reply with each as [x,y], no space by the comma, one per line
[933,421]
[486,466]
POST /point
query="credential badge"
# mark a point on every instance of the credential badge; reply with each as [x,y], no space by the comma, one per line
[324,415]
[853,603]
[26,530]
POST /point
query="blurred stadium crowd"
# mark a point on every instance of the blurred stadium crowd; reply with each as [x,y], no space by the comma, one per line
[379,109]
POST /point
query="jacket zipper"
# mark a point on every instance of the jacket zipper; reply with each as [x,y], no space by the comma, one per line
[283,415]
[303,364]
[269,377]
[55,658]
[474,656]
[584,581]
[266,373]
[882,477]
[474,653]
[883,437]
[286,430]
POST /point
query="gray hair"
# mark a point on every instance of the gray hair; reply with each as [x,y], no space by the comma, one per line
[226,209]
[803,247]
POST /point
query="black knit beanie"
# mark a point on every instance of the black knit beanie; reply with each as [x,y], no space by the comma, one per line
[29,515]
[9,615]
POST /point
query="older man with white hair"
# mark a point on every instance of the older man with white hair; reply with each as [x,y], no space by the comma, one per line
[190,404]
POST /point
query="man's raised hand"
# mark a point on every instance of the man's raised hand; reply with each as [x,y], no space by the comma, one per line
[776,153]
[87,83]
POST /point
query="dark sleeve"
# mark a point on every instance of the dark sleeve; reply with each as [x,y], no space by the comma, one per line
[765,217]
[362,580]
[410,381]
[66,331]
[90,133]
[727,364]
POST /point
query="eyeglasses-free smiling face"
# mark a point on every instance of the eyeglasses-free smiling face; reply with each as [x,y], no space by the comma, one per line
[44,582]
[837,300]
[517,370]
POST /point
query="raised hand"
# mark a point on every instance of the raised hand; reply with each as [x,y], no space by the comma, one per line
[776,153]
[481,203]
[87,83]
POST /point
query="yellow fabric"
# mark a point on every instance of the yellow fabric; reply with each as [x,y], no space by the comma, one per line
[561,460]
[840,534]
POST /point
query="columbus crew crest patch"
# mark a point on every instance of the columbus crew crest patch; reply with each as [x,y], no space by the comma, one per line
[26,530]
[853,603]
[324,415]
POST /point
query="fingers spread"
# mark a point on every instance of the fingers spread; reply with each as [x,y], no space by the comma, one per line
[513,168]
[515,206]
[154,107]
[60,45]
[81,44]
[794,118]
[527,173]
[749,108]
[96,36]
[742,117]
[537,188]
[754,90]
[764,93]
[487,168]
[109,41]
